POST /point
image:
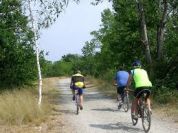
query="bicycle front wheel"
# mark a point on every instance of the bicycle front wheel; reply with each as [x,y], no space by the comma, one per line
[126,103]
[146,119]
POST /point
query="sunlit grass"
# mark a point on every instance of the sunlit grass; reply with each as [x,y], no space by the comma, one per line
[20,107]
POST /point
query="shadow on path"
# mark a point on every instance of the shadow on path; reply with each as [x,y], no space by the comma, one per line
[117,126]
[95,96]
[104,109]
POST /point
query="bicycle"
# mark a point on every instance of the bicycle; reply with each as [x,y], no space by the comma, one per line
[143,112]
[125,102]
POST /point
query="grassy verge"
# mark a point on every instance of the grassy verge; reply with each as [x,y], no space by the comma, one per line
[104,86]
[19,107]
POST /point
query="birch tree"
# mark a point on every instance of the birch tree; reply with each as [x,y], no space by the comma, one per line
[161,30]
[144,34]
[43,14]
[37,51]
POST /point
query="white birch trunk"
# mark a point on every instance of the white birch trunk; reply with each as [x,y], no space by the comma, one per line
[37,54]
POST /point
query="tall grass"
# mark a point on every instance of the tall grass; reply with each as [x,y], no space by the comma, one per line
[20,107]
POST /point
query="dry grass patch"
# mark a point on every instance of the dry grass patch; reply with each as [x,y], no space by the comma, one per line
[20,107]
[20,113]
[103,86]
[167,111]
[49,84]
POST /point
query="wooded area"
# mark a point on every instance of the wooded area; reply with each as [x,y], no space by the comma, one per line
[132,29]
[144,30]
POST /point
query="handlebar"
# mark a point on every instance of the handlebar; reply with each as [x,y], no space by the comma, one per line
[127,89]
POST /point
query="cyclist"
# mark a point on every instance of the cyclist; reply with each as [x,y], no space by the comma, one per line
[142,83]
[78,83]
[120,80]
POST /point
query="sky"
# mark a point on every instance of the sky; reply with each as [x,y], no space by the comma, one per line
[72,29]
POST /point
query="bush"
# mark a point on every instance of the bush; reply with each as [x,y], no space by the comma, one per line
[165,95]
[109,75]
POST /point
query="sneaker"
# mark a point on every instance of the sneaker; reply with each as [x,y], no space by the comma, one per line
[73,98]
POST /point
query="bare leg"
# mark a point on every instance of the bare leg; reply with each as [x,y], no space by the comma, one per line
[81,99]
[81,102]
[148,103]
[134,106]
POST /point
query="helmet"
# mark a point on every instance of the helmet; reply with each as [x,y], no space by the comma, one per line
[136,63]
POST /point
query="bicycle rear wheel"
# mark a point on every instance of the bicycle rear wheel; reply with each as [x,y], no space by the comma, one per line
[126,103]
[146,119]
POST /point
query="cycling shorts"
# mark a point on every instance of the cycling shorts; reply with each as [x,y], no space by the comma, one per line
[80,90]
[139,91]
[120,90]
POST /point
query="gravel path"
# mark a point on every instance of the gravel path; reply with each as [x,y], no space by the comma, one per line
[100,115]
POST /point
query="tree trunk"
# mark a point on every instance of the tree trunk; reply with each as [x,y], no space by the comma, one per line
[144,35]
[37,54]
[161,31]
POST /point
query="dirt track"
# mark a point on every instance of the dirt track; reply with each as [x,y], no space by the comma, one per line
[100,115]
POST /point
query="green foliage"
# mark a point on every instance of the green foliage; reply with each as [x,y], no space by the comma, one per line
[17,56]
[66,66]
[119,42]
[165,95]
[59,68]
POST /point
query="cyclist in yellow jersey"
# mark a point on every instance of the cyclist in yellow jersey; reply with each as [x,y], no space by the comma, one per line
[142,83]
[78,83]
